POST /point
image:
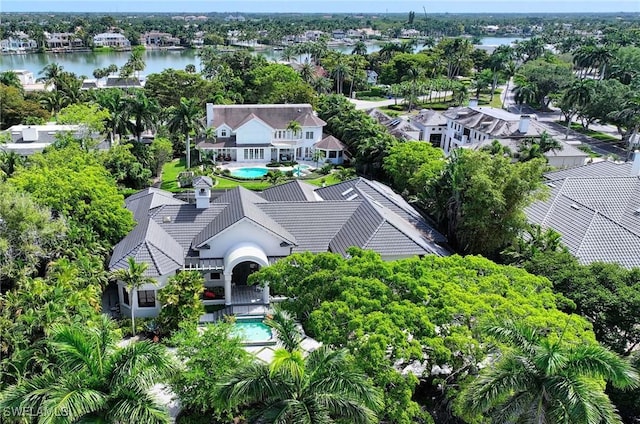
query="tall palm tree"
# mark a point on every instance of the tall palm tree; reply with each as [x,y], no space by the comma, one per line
[144,111]
[185,119]
[133,278]
[52,73]
[509,71]
[115,103]
[324,387]
[541,381]
[307,71]
[575,97]
[413,76]
[91,379]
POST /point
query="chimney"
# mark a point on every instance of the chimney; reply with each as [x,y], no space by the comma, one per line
[202,186]
[473,102]
[209,124]
[523,126]
[635,168]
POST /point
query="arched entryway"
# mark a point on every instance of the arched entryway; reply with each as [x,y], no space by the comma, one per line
[242,271]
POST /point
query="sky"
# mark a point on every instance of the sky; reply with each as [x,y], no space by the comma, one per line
[319,6]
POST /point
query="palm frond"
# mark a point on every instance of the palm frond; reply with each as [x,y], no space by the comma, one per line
[598,362]
[143,409]
[348,409]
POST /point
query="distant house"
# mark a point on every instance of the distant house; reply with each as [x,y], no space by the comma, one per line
[474,126]
[338,34]
[409,33]
[372,77]
[260,133]
[26,140]
[25,77]
[18,42]
[596,210]
[119,82]
[63,41]
[229,237]
[159,39]
[432,126]
[401,128]
[234,18]
[111,39]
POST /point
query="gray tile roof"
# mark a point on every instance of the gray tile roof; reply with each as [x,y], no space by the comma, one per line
[598,215]
[493,122]
[292,191]
[429,117]
[354,213]
[241,203]
[202,181]
[276,116]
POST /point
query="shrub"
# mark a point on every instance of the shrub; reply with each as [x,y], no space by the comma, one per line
[326,169]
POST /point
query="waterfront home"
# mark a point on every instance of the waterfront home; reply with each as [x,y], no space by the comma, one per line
[263,133]
[158,39]
[63,41]
[111,39]
[228,237]
[596,210]
[18,42]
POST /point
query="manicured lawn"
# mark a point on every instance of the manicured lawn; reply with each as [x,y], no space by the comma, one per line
[227,183]
[330,179]
[170,172]
[591,133]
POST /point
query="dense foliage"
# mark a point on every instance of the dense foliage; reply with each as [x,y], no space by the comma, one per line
[413,314]
[181,301]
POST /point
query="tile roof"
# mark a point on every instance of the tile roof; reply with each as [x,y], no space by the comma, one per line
[292,191]
[276,116]
[493,122]
[596,213]
[330,143]
[354,213]
[429,117]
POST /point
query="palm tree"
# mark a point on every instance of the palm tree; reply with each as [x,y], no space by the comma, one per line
[52,73]
[575,97]
[413,75]
[144,112]
[324,387]
[509,71]
[133,278]
[185,119]
[10,79]
[115,103]
[524,93]
[91,379]
[307,71]
[295,127]
[360,48]
[537,380]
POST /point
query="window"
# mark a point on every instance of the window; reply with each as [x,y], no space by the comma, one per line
[250,154]
[125,296]
[308,135]
[147,298]
[223,133]
[332,154]
[216,275]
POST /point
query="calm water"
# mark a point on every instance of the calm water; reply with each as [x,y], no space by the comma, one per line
[85,63]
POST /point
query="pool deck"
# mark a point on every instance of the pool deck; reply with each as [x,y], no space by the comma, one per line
[237,165]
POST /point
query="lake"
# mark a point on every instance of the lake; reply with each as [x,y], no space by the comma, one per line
[84,63]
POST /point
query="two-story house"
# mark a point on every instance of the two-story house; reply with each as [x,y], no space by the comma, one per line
[111,39]
[262,133]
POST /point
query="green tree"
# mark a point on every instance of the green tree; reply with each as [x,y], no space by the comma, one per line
[181,301]
[125,167]
[14,109]
[411,165]
[480,199]
[546,79]
[145,112]
[74,184]
[323,387]
[185,119]
[538,379]
[91,379]
[133,277]
[208,355]
[161,150]
[10,79]
[575,98]
[90,118]
[117,123]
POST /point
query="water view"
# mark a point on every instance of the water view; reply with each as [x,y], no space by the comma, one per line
[157,60]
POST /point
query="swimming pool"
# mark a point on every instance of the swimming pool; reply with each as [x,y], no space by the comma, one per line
[249,173]
[252,330]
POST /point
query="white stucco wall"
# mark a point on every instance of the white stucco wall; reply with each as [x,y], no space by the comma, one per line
[242,232]
[254,131]
[125,310]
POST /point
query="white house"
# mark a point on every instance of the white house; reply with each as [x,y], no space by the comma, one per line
[261,133]
[432,126]
[63,40]
[18,42]
[159,39]
[29,139]
[111,39]
[228,237]
[474,127]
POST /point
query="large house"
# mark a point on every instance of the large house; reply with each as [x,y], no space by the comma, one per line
[63,41]
[596,209]
[18,42]
[226,238]
[263,133]
[159,39]
[111,39]
[476,126]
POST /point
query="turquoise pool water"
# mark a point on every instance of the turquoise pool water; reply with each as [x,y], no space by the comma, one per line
[249,172]
[252,330]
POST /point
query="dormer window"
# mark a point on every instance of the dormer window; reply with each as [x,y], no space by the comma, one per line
[223,133]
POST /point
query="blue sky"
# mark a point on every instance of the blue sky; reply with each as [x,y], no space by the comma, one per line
[317,6]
